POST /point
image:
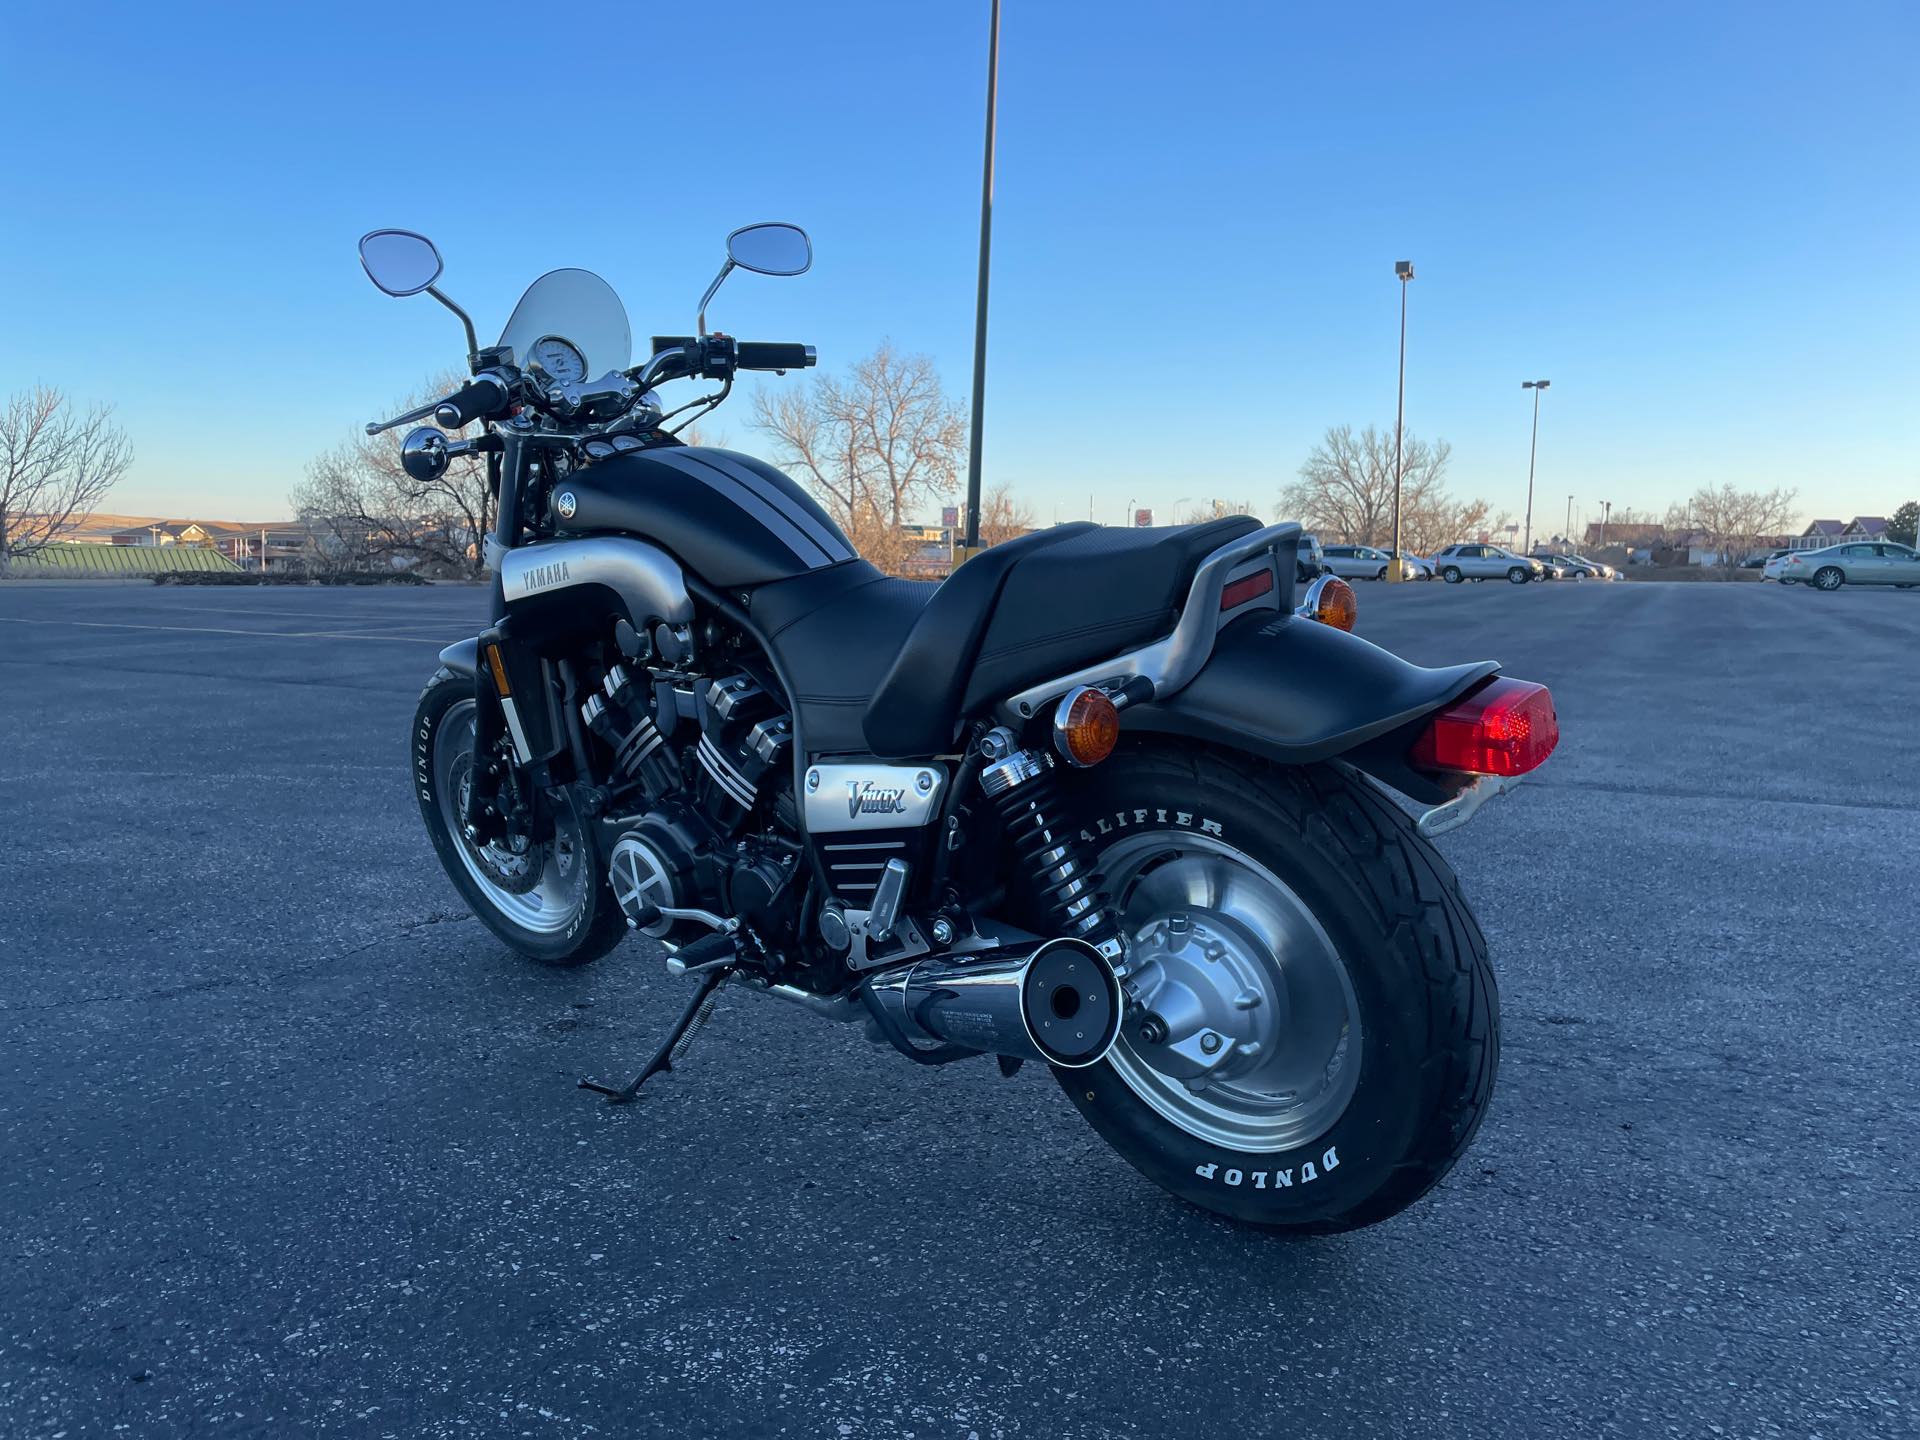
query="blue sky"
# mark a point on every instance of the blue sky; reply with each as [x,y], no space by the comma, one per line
[1699,222]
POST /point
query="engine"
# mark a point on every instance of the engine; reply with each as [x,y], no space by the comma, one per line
[692,762]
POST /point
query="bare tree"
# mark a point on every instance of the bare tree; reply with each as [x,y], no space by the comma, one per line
[1199,512]
[1345,492]
[365,512]
[1737,522]
[56,466]
[1002,517]
[871,445]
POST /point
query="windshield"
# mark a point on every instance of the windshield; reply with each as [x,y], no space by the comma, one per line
[579,309]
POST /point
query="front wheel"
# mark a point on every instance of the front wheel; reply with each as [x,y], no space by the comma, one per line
[545,899]
[1517,576]
[1313,1025]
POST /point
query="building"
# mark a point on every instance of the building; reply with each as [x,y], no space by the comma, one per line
[1822,533]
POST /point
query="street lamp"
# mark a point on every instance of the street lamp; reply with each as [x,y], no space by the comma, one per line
[1567,534]
[972,542]
[1536,386]
[1404,269]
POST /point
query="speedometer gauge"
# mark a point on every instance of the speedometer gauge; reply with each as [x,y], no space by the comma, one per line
[559,359]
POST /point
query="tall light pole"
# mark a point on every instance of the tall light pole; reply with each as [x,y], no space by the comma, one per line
[980,304]
[1404,269]
[1606,514]
[1536,386]
[1567,534]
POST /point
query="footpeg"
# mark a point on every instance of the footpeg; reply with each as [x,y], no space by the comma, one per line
[712,958]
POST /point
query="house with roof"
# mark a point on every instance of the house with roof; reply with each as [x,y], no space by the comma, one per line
[1822,533]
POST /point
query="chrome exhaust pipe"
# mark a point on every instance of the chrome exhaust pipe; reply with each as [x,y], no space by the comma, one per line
[1059,1003]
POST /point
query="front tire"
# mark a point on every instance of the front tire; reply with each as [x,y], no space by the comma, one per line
[563,913]
[1517,576]
[1376,1029]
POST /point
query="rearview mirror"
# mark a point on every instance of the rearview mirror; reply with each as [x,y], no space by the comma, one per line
[771,249]
[399,261]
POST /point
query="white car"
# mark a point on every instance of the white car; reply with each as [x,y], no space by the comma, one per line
[1363,562]
[1486,562]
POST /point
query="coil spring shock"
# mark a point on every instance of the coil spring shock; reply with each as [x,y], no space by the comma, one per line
[1025,789]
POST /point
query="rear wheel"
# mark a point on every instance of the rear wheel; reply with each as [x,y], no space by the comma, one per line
[1452,575]
[1828,578]
[545,899]
[1316,1027]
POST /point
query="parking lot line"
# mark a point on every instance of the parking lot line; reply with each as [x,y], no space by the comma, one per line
[220,630]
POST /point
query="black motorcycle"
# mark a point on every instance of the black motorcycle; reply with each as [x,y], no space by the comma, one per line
[1112,800]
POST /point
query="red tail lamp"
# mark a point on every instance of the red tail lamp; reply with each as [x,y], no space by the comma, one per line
[1086,726]
[1506,727]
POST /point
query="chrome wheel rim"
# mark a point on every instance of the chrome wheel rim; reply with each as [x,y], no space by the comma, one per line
[546,906]
[1245,1031]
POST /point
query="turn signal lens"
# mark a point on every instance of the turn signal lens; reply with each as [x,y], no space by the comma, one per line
[1331,601]
[1506,727]
[499,669]
[1086,726]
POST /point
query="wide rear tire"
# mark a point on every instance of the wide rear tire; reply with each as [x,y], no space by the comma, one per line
[1387,948]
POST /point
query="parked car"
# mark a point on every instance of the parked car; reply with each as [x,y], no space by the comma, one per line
[1879,562]
[1759,560]
[1363,562]
[1556,569]
[1578,566]
[1421,569]
[1309,559]
[1486,562]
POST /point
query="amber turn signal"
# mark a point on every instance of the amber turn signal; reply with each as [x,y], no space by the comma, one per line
[499,669]
[1331,601]
[1086,726]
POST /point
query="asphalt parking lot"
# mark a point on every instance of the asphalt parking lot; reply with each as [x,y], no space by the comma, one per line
[288,1143]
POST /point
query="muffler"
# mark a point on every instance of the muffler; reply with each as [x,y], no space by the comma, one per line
[1059,1003]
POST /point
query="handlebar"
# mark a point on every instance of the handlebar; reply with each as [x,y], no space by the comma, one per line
[773,355]
[480,397]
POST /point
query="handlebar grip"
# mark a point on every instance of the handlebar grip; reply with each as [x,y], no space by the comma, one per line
[479,397]
[773,355]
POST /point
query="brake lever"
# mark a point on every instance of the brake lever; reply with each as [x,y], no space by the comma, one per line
[419,413]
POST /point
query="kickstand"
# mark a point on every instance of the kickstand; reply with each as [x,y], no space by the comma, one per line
[678,1038]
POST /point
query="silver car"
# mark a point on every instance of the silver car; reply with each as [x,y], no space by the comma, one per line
[1486,562]
[1859,562]
[1363,562]
[1578,566]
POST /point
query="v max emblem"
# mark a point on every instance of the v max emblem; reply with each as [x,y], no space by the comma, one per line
[866,798]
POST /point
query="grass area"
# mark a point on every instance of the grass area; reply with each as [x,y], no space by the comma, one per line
[70,561]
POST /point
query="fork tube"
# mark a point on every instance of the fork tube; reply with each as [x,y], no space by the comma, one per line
[506,522]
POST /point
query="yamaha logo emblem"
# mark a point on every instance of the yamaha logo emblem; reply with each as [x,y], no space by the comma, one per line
[566,504]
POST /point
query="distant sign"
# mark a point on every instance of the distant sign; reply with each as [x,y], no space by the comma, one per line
[950,516]
[1143,518]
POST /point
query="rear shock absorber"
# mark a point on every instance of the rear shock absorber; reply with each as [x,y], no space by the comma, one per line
[1025,789]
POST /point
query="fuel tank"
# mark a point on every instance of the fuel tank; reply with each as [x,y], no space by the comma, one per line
[731,519]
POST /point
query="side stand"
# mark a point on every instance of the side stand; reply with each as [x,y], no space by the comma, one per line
[675,1045]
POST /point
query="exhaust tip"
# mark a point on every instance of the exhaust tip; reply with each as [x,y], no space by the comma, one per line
[1072,1003]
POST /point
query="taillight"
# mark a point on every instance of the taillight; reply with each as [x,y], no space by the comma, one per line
[1506,727]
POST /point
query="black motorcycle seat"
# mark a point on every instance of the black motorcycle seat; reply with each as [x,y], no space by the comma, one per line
[893,667]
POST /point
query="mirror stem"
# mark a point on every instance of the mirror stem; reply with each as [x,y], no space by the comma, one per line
[473,341]
[700,324]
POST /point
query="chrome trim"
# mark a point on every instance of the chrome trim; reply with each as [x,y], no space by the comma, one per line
[646,578]
[838,796]
[724,775]
[1172,662]
[1309,606]
[1459,810]
[885,910]
[1061,712]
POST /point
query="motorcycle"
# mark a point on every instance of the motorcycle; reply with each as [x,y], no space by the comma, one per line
[1114,801]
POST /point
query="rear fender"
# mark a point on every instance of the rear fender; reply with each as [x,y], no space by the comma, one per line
[1297,691]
